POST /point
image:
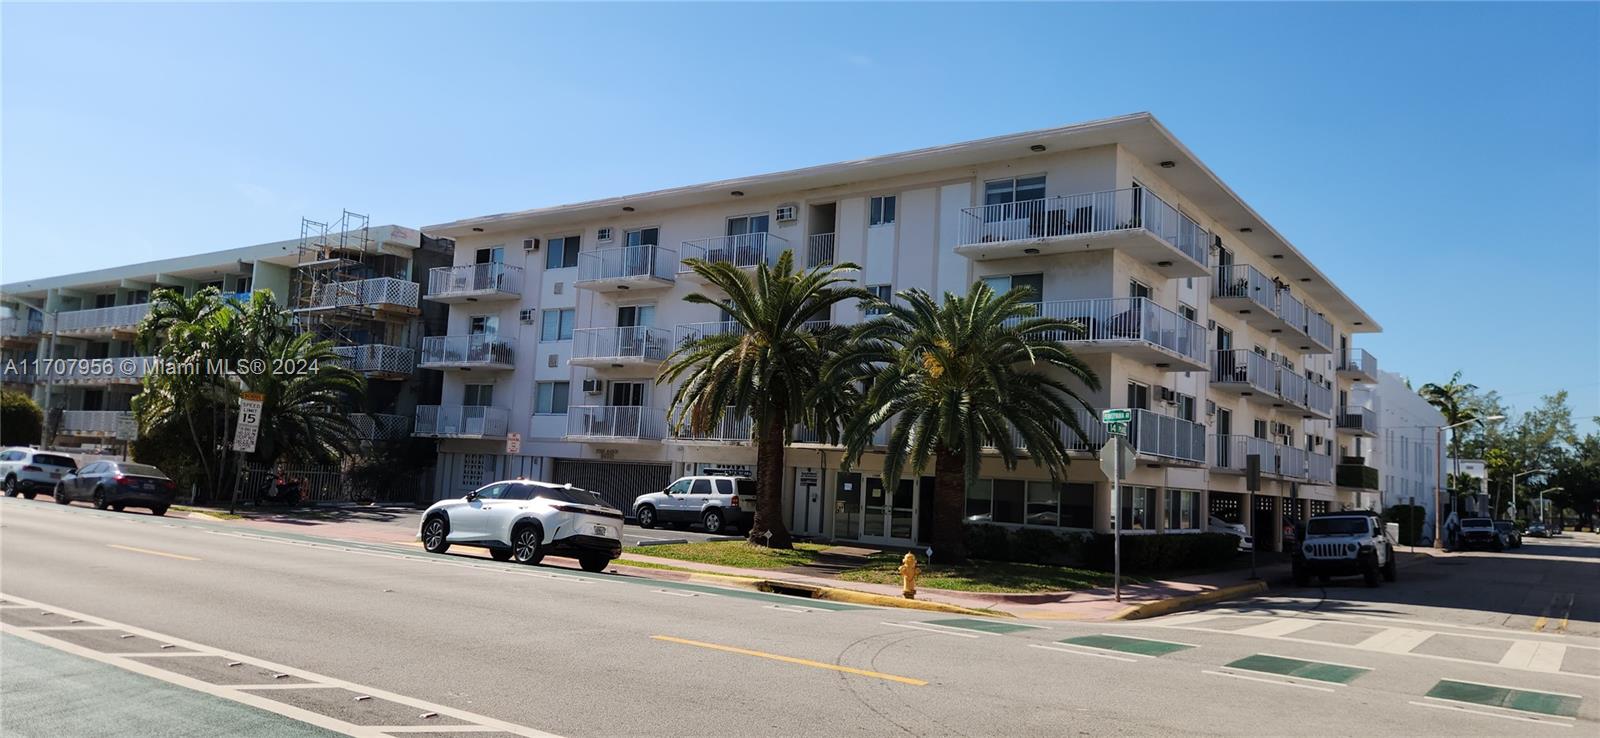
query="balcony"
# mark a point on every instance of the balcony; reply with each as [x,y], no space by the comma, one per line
[1134,220]
[461,421]
[1229,456]
[732,429]
[1245,372]
[1319,468]
[474,283]
[1353,473]
[1292,387]
[695,331]
[106,321]
[127,370]
[91,423]
[19,331]
[1319,399]
[1359,365]
[1247,292]
[381,294]
[1133,326]
[379,360]
[819,250]
[1358,421]
[744,251]
[615,424]
[1301,326]
[1151,434]
[627,269]
[477,351]
[380,426]
[640,348]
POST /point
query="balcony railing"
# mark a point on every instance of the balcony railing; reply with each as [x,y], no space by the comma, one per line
[378,358]
[1165,436]
[695,331]
[92,422]
[628,263]
[1242,281]
[1085,214]
[1357,475]
[1230,452]
[1319,329]
[1244,367]
[819,250]
[1358,419]
[380,426]
[367,293]
[732,428]
[472,279]
[1359,362]
[638,343]
[478,348]
[621,422]
[20,327]
[1319,398]
[102,319]
[461,421]
[1319,468]
[745,250]
[1129,319]
[116,370]
[1292,310]
[1292,385]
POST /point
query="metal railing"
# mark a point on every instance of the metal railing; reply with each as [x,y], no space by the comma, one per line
[731,428]
[478,348]
[380,426]
[367,293]
[92,421]
[1154,434]
[1292,385]
[461,421]
[116,370]
[1319,468]
[1291,309]
[1357,418]
[1292,462]
[1243,366]
[1319,328]
[1088,213]
[1128,319]
[119,316]
[1230,451]
[467,279]
[377,357]
[743,251]
[616,421]
[1319,398]
[20,327]
[819,250]
[630,342]
[628,262]
[1359,360]
[695,331]
[1243,281]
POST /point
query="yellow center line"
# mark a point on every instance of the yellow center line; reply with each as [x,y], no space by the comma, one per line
[793,660]
[153,553]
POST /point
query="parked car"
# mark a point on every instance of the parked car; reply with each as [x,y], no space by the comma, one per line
[713,501]
[1508,531]
[28,471]
[1344,544]
[1537,530]
[1479,533]
[1293,531]
[521,520]
[118,485]
[1218,525]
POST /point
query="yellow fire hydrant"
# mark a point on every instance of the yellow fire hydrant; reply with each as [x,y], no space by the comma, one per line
[908,576]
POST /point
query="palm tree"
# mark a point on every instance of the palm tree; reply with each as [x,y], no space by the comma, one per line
[956,378]
[764,369]
[1453,402]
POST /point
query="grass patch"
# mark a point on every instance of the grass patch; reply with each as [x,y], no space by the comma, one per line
[218,514]
[735,553]
[650,565]
[987,576]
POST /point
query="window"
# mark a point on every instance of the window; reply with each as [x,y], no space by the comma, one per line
[883,292]
[1007,191]
[561,253]
[551,398]
[1003,283]
[1187,312]
[478,395]
[1138,508]
[1044,505]
[1138,396]
[1182,509]
[642,237]
[882,210]
[700,487]
[979,499]
[1185,406]
[490,255]
[1138,289]
[518,492]
[493,491]
[558,324]
[484,325]
[1077,506]
[1008,500]
[680,487]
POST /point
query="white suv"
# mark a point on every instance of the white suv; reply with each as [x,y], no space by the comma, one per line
[523,520]
[1345,544]
[712,501]
[28,471]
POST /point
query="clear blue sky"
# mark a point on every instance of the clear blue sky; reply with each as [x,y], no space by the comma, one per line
[1439,161]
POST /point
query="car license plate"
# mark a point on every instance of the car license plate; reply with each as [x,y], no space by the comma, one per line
[600,530]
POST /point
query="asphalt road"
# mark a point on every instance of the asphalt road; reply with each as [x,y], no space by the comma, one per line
[401,523]
[555,649]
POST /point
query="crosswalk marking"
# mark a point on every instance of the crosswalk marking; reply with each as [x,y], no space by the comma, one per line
[1396,640]
[1276,628]
[1190,619]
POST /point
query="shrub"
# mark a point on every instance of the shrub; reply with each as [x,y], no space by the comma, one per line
[1024,545]
[1164,552]
[1410,518]
[989,542]
[21,420]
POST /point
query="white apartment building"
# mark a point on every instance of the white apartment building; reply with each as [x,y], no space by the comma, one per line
[1407,457]
[1222,336]
[360,291]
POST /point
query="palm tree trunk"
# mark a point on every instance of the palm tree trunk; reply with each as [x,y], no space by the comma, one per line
[769,486]
[949,506]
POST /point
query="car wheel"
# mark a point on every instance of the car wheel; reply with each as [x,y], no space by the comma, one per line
[99,499]
[1370,575]
[500,554]
[11,486]
[433,535]
[29,495]
[526,548]
[116,507]
[647,516]
[1302,578]
[594,562]
[712,521]
[61,496]
[158,510]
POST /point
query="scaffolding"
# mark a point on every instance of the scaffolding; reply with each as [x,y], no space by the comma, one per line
[349,291]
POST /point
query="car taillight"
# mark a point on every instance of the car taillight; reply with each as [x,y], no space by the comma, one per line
[125,480]
[31,467]
[734,501]
[169,484]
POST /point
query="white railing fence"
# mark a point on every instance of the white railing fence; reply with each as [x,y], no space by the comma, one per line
[378,358]
[616,421]
[732,427]
[1243,281]
[16,327]
[1243,366]
[1359,360]
[478,348]
[119,316]
[461,421]
[1093,212]
[819,250]
[1292,385]
[381,426]
[92,421]
[629,342]
[367,293]
[744,250]
[1128,318]
[468,278]
[628,262]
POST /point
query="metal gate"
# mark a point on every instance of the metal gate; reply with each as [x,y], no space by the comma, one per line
[1266,530]
[618,483]
[1227,506]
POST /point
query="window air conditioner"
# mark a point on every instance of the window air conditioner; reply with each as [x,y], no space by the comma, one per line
[786,213]
[530,244]
[591,386]
[604,235]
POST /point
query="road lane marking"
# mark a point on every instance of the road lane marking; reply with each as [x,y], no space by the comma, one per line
[1506,698]
[1275,628]
[1266,681]
[931,630]
[1518,689]
[1396,640]
[1189,619]
[136,549]
[1076,651]
[1325,672]
[1143,647]
[792,660]
[1523,718]
[983,626]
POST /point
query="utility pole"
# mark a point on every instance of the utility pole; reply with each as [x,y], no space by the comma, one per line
[1252,483]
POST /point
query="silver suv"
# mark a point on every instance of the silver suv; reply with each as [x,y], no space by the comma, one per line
[28,471]
[1345,544]
[711,500]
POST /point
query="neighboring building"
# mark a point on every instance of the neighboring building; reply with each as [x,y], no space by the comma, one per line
[1473,497]
[1407,460]
[358,287]
[1223,336]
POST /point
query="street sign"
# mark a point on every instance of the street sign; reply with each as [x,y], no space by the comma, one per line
[244,434]
[513,443]
[127,428]
[1116,416]
[1108,458]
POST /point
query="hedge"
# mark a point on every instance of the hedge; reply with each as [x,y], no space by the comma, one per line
[1025,545]
[1164,552]
[21,420]
[1403,514]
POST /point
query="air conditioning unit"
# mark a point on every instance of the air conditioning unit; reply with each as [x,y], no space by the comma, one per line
[1211,407]
[559,288]
[553,361]
[604,235]
[591,386]
[526,315]
[787,213]
[530,244]
[1211,325]
[1167,395]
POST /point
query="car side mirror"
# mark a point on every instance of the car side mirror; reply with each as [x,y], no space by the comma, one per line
[473,495]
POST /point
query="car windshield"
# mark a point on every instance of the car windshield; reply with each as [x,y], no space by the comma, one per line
[54,460]
[1477,523]
[1502,525]
[746,487]
[1336,526]
[573,494]
[143,470]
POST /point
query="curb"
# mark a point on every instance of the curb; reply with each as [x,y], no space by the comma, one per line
[808,591]
[1174,604]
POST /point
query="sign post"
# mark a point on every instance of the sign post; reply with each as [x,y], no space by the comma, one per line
[1115,458]
[127,432]
[1252,483]
[244,437]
